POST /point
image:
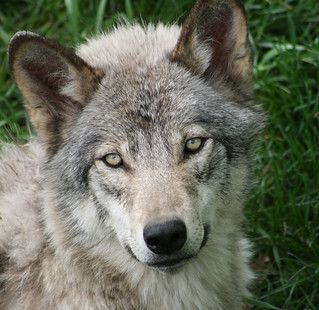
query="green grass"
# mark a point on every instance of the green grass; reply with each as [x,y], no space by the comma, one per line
[283,211]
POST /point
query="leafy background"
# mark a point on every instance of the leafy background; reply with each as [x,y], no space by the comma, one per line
[283,210]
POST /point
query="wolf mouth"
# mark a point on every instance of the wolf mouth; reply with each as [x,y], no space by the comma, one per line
[177,262]
[172,263]
[206,235]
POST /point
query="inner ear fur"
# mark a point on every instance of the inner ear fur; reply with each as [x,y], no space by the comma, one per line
[214,43]
[55,83]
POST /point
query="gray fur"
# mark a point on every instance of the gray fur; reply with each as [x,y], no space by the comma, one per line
[78,245]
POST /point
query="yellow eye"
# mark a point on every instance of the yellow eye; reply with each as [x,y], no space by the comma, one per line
[193,145]
[113,160]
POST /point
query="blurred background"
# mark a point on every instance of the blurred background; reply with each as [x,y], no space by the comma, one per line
[283,210]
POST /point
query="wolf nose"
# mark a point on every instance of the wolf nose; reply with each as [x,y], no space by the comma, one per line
[165,238]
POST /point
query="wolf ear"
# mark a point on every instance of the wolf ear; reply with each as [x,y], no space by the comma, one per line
[54,82]
[213,42]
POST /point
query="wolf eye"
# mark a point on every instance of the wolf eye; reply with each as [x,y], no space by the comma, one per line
[113,160]
[193,145]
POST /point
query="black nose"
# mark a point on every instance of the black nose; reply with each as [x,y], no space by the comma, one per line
[165,238]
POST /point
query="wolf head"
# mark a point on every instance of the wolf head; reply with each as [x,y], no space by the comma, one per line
[149,132]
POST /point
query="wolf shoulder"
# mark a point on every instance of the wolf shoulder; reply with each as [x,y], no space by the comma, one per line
[20,184]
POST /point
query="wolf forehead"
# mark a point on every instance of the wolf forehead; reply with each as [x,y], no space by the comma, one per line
[143,89]
[139,80]
[159,97]
[163,100]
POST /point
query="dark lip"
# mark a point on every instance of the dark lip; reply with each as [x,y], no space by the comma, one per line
[206,235]
[170,263]
[164,264]
[129,250]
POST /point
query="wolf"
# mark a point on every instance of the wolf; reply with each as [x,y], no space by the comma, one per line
[131,195]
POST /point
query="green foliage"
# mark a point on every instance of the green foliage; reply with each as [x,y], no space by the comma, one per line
[283,212]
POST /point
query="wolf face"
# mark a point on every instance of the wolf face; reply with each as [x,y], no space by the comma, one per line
[150,138]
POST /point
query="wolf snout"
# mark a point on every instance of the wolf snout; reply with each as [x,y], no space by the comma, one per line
[165,238]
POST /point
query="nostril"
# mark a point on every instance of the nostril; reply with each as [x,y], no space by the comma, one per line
[176,236]
[152,241]
[165,238]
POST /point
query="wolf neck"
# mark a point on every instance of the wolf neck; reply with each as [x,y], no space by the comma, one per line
[198,285]
[190,288]
[205,283]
